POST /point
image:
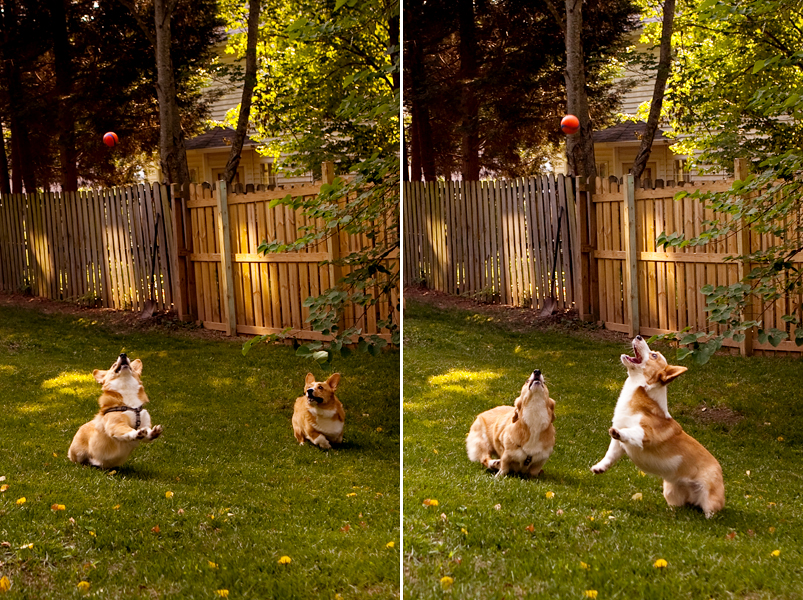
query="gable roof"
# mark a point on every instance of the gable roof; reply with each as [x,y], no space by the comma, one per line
[628,131]
[217,137]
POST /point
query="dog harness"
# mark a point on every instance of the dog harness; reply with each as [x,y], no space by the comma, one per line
[124,409]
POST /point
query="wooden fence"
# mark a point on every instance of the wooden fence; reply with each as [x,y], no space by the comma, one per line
[494,240]
[98,247]
[646,289]
[232,288]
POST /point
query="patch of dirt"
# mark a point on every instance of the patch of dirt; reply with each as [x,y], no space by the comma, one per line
[118,321]
[514,318]
[718,415]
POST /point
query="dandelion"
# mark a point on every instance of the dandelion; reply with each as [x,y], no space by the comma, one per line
[430,502]
[642,473]
[390,545]
[446,582]
[590,593]
[168,494]
[637,496]
[780,438]
[772,529]
[435,450]
[83,586]
[776,553]
[464,531]
[550,494]
[379,430]
[530,528]
[26,547]
[21,500]
[285,560]
[212,565]
[660,564]
[93,534]
[3,487]
[338,597]
[351,494]
[222,593]
[585,566]
[5,584]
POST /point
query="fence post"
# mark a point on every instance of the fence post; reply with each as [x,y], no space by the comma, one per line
[631,255]
[226,273]
[588,300]
[183,286]
[743,247]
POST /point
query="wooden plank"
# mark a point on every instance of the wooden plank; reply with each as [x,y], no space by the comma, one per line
[225,273]
[743,247]
[262,196]
[660,268]
[259,234]
[243,288]
[631,284]
[671,276]
[273,268]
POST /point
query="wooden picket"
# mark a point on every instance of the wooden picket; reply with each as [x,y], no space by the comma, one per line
[493,240]
[94,246]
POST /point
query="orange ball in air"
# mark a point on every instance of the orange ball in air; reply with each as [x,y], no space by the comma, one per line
[569,124]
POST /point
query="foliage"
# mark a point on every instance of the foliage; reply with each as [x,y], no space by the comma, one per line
[244,493]
[499,538]
[113,86]
[738,92]
[328,90]
[521,86]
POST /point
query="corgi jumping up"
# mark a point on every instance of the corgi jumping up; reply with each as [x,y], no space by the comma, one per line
[644,430]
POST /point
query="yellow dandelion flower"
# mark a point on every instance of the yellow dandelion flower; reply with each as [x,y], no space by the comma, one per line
[435,450]
[92,533]
[780,438]
[772,529]
[351,494]
[57,507]
[550,494]
[585,566]
[776,553]
[116,507]
[379,430]
[590,593]
[464,531]
[430,502]
[222,593]
[3,487]
[5,584]
[338,597]
[168,494]
[83,586]
[446,582]
[390,545]
[642,473]
[212,565]
[112,472]
[637,496]
[285,560]
[21,500]
[660,564]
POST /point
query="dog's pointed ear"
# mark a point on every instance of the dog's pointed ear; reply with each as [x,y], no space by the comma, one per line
[309,379]
[136,367]
[670,373]
[333,381]
[99,375]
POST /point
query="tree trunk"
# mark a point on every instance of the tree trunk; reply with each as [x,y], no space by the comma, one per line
[580,146]
[415,145]
[172,151]
[68,156]
[248,92]
[664,65]
[470,148]
[423,159]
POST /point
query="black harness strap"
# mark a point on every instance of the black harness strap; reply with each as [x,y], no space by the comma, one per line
[124,409]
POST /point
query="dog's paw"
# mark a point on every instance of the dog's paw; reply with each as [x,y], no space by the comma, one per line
[322,442]
[614,434]
[494,464]
[599,468]
[155,432]
[141,433]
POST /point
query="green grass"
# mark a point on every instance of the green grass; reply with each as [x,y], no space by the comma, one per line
[504,538]
[244,493]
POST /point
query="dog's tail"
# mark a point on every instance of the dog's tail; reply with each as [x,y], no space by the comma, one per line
[477,444]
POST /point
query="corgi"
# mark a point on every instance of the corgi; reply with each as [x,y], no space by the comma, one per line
[645,431]
[318,416]
[522,436]
[122,422]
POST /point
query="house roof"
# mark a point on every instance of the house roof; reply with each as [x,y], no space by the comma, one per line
[217,137]
[626,132]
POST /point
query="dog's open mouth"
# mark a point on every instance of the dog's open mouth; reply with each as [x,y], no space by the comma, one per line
[312,397]
[122,363]
[637,357]
[536,378]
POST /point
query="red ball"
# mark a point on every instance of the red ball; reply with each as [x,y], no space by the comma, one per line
[110,139]
[569,124]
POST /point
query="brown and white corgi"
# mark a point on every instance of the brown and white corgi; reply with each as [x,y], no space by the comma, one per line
[522,436]
[318,415]
[122,422]
[654,441]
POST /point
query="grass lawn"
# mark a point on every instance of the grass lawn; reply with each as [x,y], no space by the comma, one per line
[216,501]
[573,534]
